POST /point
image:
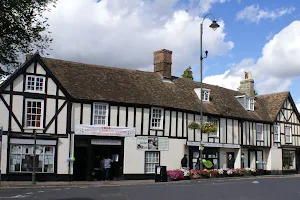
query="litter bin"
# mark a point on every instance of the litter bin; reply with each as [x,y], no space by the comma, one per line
[161,174]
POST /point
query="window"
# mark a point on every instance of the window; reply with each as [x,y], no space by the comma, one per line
[259,132]
[34,113]
[288,162]
[100,113]
[288,134]
[151,161]
[156,118]
[216,122]
[246,101]
[21,158]
[276,133]
[35,83]
[205,94]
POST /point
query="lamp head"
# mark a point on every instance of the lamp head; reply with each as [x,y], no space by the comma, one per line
[214,25]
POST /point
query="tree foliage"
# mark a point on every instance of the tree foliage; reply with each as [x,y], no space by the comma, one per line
[23,29]
[188,74]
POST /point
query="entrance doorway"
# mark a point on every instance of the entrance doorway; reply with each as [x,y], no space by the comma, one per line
[99,152]
[80,166]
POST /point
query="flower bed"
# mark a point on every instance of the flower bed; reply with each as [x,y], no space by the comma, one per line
[181,174]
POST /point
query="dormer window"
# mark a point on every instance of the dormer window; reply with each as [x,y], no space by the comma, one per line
[246,101]
[205,93]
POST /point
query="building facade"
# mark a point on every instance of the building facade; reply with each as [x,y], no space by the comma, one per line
[140,119]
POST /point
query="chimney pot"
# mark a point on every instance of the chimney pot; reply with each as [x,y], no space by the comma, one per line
[247,85]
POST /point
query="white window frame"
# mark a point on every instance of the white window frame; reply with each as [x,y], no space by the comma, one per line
[215,134]
[156,163]
[276,128]
[262,132]
[34,90]
[161,119]
[290,134]
[247,102]
[106,116]
[205,94]
[44,155]
[42,114]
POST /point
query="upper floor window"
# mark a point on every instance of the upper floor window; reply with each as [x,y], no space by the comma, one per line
[35,83]
[157,118]
[276,133]
[288,134]
[205,93]
[34,113]
[259,132]
[247,102]
[100,114]
[216,122]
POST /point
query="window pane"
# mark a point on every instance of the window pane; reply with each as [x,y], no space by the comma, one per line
[288,160]
[152,160]
[100,114]
[34,113]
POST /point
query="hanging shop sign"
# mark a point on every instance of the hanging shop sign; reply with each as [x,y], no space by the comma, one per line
[98,130]
[152,143]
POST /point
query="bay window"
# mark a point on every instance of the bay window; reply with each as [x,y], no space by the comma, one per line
[21,158]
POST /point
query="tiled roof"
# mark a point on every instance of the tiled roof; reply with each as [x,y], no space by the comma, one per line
[101,83]
[273,103]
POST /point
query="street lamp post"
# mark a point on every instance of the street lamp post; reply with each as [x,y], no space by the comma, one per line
[214,25]
[34,154]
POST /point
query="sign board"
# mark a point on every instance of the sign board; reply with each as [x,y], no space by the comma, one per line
[106,142]
[99,130]
[210,144]
[152,143]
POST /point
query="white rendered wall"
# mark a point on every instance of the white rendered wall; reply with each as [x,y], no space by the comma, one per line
[4,148]
[275,159]
[62,155]
[172,158]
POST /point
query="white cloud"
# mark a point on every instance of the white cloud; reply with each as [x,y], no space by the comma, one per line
[125,33]
[254,14]
[274,70]
[298,104]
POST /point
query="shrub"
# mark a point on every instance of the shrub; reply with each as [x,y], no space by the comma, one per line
[176,174]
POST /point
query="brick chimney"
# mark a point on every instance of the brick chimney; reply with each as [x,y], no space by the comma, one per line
[247,85]
[163,62]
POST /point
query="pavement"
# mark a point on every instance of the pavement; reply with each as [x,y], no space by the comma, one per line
[256,188]
[28,184]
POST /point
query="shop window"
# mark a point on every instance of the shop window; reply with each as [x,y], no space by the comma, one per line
[276,133]
[259,132]
[288,161]
[35,83]
[288,134]
[157,118]
[34,113]
[100,114]
[151,161]
[21,158]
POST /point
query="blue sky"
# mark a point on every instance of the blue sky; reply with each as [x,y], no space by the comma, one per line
[258,36]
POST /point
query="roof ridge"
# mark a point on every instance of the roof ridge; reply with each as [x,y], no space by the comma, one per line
[273,93]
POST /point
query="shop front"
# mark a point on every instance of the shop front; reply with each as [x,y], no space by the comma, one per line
[217,153]
[289,160]
[93,144]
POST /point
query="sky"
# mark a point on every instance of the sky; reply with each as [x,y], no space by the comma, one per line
[258,36]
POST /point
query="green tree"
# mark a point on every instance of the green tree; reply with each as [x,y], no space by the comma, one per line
[188,74]
[23,30]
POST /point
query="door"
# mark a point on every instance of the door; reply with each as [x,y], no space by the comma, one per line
[80,164]
[298,161]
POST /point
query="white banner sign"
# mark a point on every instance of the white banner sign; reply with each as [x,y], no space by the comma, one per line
[98,130]
[152,143]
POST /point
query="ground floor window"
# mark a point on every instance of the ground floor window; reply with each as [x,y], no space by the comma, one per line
[21,158]
[151,161]
[288,160]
